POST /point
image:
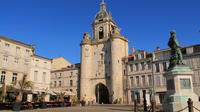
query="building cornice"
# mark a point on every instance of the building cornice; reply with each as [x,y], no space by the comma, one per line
[17,42]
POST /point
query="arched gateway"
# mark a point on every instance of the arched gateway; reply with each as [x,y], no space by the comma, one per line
[102,94]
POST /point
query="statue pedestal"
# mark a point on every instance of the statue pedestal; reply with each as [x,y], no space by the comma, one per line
[179,89]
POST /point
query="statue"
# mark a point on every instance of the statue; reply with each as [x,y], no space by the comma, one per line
[86,36]
[176,54]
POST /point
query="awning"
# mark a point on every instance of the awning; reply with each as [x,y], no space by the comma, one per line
[69,93]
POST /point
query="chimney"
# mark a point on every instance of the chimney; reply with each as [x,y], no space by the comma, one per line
[157,48]
[132,50]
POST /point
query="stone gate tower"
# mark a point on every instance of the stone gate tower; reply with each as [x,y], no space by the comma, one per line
[101,60]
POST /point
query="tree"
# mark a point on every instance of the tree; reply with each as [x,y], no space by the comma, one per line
[41,96]
[22,86]
[61,96]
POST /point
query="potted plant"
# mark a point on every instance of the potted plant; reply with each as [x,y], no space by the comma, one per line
[61,97]
[75,101]
[22,85]
[2,99]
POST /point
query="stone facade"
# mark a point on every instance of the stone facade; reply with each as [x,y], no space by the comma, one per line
[40,74]
[65,79]
[18,59]
[101,60]
[141,65]
[60,62]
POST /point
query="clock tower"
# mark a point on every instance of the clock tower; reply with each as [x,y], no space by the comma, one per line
[101,79]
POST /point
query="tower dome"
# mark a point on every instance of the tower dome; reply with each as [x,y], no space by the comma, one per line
[103,13]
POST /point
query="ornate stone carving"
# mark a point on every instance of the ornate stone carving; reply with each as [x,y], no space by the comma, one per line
[86,36]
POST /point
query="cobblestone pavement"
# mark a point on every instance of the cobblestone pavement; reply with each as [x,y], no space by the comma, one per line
[97,108]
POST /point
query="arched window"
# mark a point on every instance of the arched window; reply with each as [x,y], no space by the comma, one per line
[101,33]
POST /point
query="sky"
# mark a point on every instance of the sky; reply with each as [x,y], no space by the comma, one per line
[56,27]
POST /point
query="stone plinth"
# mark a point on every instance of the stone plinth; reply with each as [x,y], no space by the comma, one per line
[179,89]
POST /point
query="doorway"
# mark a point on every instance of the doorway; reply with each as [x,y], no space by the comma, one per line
[102,94]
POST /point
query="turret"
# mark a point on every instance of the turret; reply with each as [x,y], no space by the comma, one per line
[119,49]
[86,66]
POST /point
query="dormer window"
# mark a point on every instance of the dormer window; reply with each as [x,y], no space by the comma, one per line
[101,33]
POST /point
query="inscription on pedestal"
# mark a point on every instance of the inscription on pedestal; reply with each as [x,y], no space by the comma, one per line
[170,84]
[185,83]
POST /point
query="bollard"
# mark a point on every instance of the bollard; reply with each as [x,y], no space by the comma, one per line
[153,105]
[145,101]
[190,105]
[135,106]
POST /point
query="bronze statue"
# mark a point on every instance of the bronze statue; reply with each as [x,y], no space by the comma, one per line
[176,54]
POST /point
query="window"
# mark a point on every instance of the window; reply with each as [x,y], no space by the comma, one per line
[101,33]
[60,83]
[35,75]
[165,66]
[149,65]
[14,78]
[45,64]
[44,76]
[158,81]
[71,90]
[137,66]
[36,62]
[5,60]
[60,75]
[7,46]
[16,60]
[157,67]
[143,66]
[150,80]
[71,73]
[138,80]
[26,66]
[2,80]
[55,83]
[131,78]
[131,67]
[71,82]
[136,57]
[143,80]
[27,52]
[55,75]
[101,56]
[142,55]
[17,50]
[196,49]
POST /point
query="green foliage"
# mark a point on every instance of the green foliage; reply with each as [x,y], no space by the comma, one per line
[2,97]
[75,100]
[61,96]
[120,101]
[23,85]
[11,97]
[35,99]
[41,96]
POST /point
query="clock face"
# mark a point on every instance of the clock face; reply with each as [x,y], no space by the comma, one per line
[101,29]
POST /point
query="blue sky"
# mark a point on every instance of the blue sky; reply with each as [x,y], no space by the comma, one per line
[56,27]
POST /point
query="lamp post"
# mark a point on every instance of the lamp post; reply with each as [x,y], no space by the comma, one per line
[98,94]
[153,102]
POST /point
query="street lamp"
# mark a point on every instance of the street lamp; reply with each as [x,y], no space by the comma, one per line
[153,102]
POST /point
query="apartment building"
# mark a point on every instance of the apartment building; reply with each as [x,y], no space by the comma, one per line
[18,59]
[144,71]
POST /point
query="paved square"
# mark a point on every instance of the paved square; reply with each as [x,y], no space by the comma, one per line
[100,108]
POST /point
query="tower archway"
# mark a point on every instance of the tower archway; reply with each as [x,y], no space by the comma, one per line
[102,94]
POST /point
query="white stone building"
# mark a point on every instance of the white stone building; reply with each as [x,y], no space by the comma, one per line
[140,72]
[40,74]
[18,59]
[65,76]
